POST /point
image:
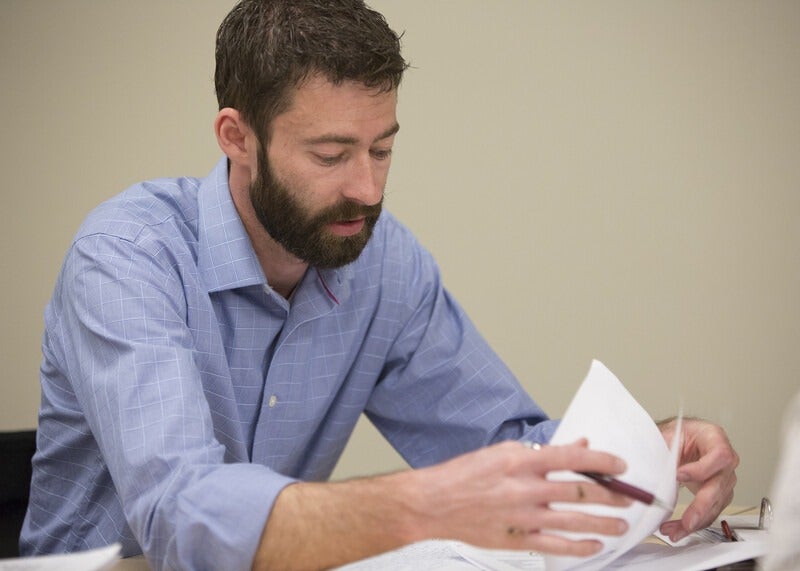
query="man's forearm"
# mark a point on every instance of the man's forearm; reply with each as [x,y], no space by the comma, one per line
[321,525]
[496,497]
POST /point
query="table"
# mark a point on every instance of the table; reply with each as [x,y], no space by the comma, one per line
[139,563]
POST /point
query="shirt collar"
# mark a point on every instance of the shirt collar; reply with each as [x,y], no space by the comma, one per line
[226,259]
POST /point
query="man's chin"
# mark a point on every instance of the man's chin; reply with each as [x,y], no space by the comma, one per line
[341,251]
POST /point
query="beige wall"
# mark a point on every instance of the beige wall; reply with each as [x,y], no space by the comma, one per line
[615,180]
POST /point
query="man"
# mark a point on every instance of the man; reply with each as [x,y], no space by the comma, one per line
[210,345]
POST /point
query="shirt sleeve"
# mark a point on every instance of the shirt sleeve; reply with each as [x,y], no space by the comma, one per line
[444,391]
[128,353]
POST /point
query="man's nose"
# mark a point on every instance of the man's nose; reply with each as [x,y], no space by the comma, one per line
[365,182]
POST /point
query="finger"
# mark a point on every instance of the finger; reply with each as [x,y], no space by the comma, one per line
[576,458]
[707,504]
[708,451]
[579,443]
[703,510]
[673,529]
[548,543]
[714,460]
[581,522]
[557,545]
[580,491]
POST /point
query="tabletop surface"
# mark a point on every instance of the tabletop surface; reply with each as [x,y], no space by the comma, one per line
[139,563]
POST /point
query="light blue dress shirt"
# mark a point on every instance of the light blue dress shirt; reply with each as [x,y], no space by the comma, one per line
[180,394]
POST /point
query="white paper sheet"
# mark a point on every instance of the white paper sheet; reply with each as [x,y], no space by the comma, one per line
[606,414]
[696,557]
[433,554]
[643,557]
[99,559]
[447,555]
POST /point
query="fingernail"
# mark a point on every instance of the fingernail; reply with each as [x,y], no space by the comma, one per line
[678,536]
[683,477]
[620,465]
[622,527]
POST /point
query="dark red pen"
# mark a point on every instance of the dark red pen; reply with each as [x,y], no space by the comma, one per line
[729,533]
[628,490]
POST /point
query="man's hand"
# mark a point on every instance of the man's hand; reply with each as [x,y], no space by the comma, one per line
[496,497]
[499,497]
[707,467]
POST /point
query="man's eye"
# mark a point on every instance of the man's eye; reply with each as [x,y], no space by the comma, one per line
[328,160]
[381,154]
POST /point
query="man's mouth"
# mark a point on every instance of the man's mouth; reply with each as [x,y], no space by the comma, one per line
[347,227]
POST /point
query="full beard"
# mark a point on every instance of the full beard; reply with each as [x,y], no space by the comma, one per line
[307,236]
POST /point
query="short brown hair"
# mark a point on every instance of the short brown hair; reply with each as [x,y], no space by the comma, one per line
[267,47]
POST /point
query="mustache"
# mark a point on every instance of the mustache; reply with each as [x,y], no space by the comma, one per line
[349,210]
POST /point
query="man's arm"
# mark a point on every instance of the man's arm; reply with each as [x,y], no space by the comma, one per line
[707,467]
[129,354]
[495,497]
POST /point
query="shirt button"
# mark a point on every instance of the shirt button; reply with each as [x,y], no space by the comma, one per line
[273,400]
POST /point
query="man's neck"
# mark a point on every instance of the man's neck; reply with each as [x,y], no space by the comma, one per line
[282,270]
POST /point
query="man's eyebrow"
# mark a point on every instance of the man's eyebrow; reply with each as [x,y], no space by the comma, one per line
[348,140]
[389,132]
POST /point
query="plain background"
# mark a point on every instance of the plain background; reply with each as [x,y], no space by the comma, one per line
[614,180]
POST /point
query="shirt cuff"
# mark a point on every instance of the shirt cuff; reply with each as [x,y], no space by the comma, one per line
[220,519]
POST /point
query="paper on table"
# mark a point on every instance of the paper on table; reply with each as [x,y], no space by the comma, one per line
[606,414]
[697,557]
[99,559]
[448,555]
[643,557]
[501,559]
[431,554]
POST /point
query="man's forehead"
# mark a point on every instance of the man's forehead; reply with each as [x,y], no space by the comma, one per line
[320,108]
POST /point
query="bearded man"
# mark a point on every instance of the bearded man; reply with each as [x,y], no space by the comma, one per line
[211,344]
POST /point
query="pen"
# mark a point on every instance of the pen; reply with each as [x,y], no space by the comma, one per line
[628,490]
[729,533]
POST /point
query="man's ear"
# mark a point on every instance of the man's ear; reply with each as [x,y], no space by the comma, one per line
[235,137]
